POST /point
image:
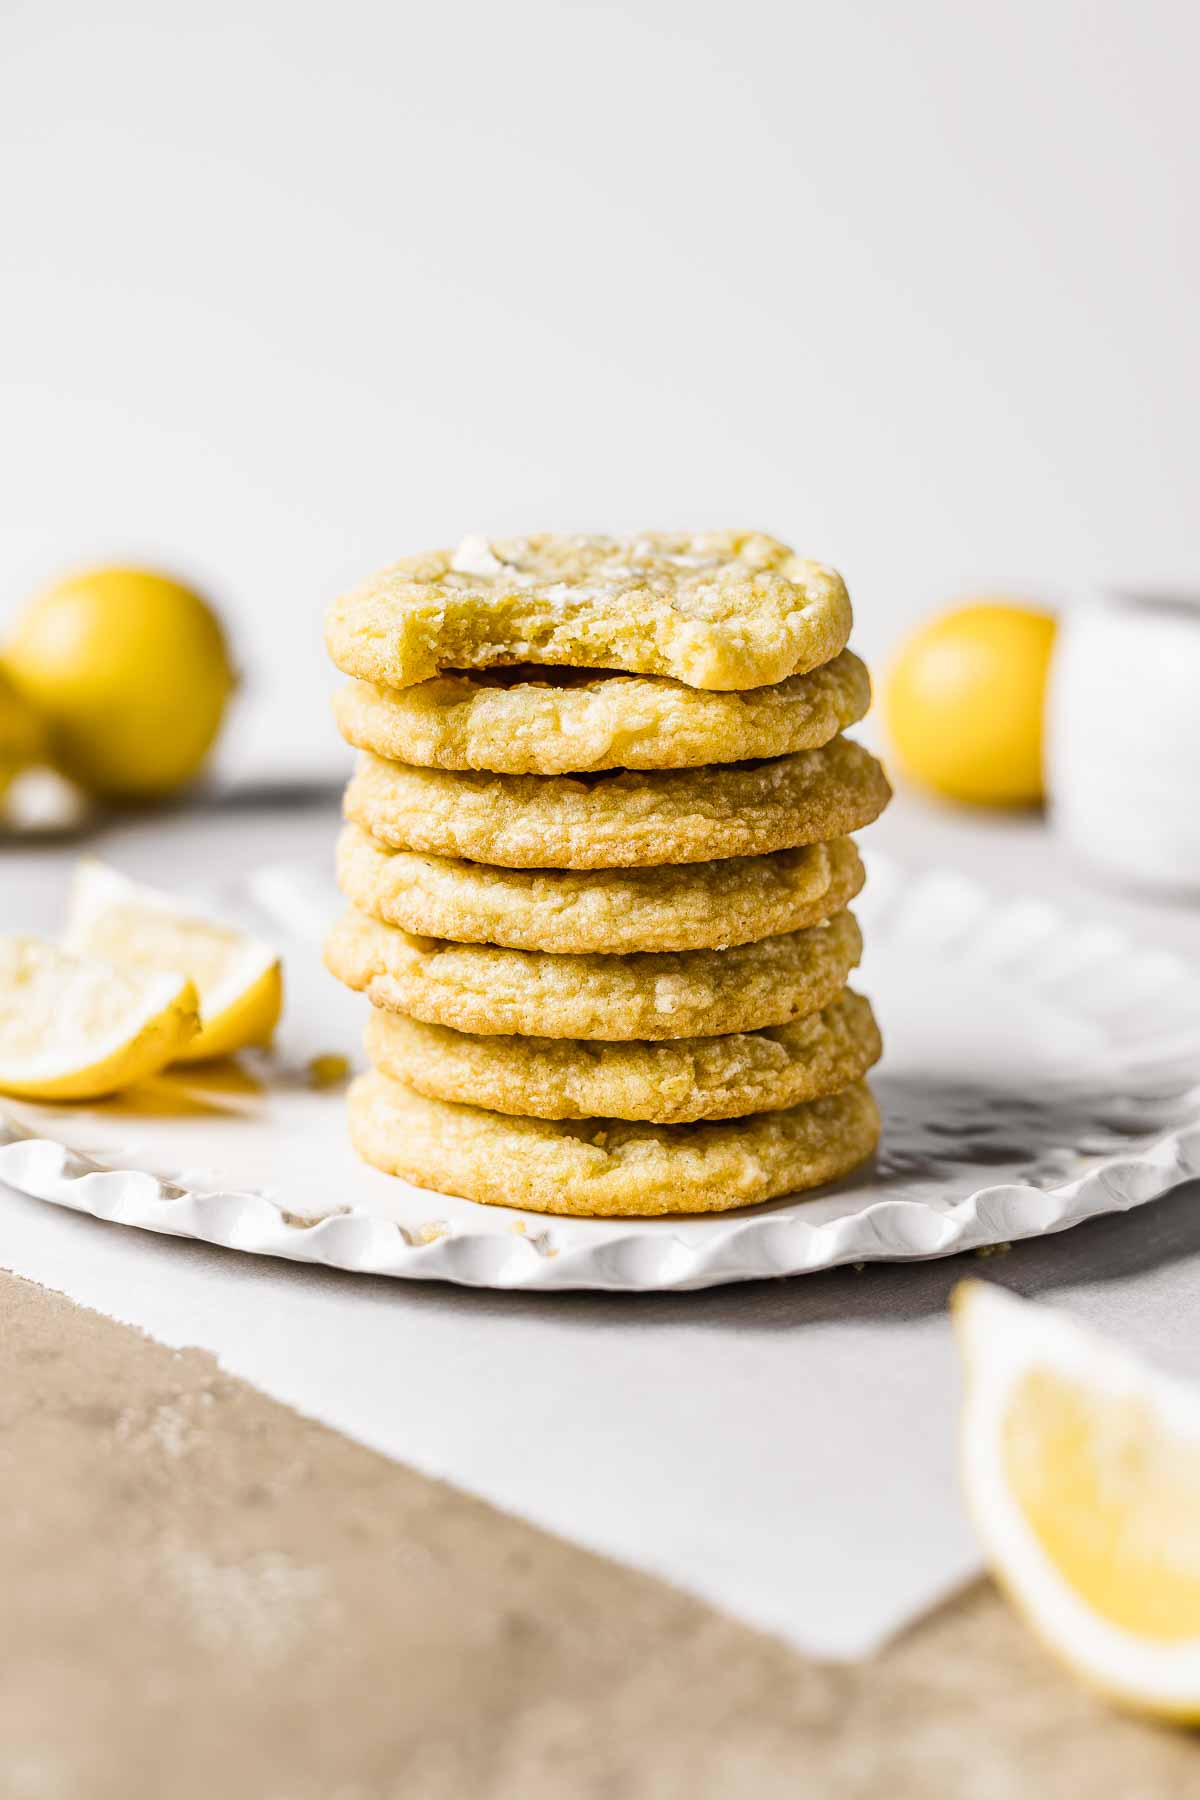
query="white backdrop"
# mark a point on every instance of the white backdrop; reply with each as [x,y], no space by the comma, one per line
[288,290]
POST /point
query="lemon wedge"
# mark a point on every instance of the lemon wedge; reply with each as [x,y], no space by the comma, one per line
[1082,1473]
[72,1028]
[239,979]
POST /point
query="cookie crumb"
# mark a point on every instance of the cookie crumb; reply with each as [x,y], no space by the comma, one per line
[306,1221]
[327,1070]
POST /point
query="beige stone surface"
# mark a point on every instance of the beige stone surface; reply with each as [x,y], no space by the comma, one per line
[206,1594]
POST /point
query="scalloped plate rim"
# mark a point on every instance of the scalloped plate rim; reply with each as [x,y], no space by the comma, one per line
[260,1228]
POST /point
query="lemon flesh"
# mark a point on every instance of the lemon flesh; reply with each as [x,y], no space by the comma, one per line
[965,700]
[131,672]
[1082,1473]
[239,980]
[1112,1500]
[72,1028]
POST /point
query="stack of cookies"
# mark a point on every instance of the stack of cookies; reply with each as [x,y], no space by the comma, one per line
[598,861]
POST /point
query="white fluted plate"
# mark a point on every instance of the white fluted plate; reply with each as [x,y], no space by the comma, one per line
[1038,1072]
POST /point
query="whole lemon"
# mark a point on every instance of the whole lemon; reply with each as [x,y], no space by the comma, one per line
[964,703]
[131,672]
[22,734]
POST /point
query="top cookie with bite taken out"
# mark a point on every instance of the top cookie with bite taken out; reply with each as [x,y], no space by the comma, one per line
[719,610]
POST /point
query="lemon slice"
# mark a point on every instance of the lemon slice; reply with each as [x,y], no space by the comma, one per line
[239,980]
[72,1028]
[1082,1474]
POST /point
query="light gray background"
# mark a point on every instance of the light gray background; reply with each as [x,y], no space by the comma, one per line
[288,290]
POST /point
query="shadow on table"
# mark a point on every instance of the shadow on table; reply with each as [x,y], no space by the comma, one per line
[1118,1246]
[1108,1249]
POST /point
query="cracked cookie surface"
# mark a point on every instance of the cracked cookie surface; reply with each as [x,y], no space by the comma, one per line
[664,1083]
[720,610]
[527,993]
[687,906]
[530,721]
[609,1167]
[626,819]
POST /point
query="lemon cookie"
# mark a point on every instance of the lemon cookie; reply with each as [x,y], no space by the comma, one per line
[688,906]
[629,819]
[665,1083]
[723,610]
[559,721]
[689,993]
[609,1167]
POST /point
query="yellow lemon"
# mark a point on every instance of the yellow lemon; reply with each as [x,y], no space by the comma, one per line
[22,735]
[75,1029]
[1082,1474]
[130,671]
[239,980]
[964,703]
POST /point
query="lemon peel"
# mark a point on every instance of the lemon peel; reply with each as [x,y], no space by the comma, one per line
[238,978]
[75,1028]
[964,702]
[130,671]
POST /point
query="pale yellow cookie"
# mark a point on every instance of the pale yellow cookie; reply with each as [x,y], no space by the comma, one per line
[527,721]
[725,609]
[665,1083]
[603,1168]
[689,993]
[686,906]
[631,819]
